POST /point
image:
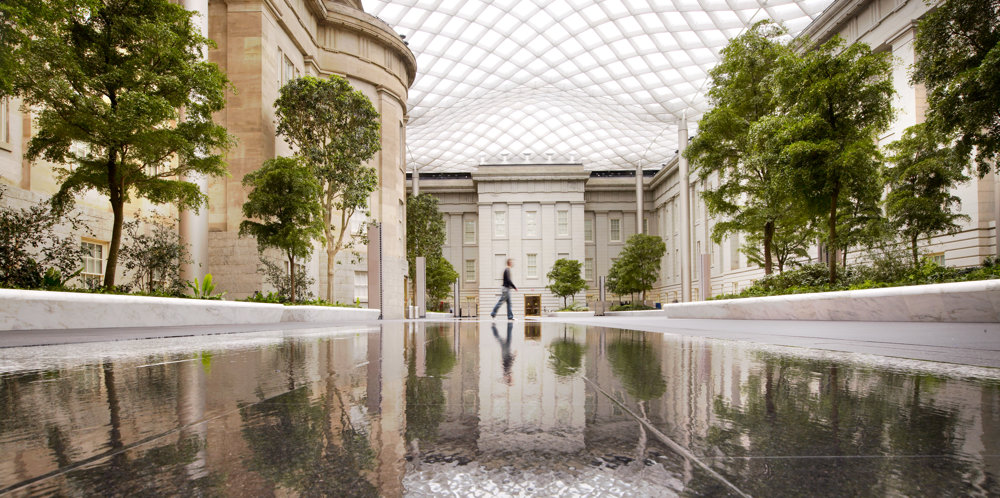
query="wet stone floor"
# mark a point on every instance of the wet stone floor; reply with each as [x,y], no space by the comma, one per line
[477,409]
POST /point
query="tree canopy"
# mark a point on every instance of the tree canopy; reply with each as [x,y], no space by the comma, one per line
[424,230]
[565,279]
[638,265]
[282,210]
[920,202]
[958,61]
[736,141]
[108,85]
[834,101]
[335,129]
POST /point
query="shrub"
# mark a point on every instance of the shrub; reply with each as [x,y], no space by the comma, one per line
[155,258]
[32,254]
[280,279]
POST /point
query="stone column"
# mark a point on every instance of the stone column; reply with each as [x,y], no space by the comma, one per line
[193,226]
[416,181]
[685,202]
[638,199]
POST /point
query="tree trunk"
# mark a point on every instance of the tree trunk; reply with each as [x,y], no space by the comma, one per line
[768,241]
[291,272]
[913,247]
[832,239]
[115,195]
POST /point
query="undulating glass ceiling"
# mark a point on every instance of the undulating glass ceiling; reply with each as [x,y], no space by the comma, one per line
[602,82]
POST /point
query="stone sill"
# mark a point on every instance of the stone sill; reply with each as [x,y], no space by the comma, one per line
[968,302]
[45,310]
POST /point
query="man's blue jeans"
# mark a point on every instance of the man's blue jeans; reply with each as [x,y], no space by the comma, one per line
[504,296]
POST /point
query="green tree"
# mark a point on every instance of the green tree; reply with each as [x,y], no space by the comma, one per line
[284,198]
[736,143]
[920,202]
[109,85]
[958,61]
[335,129]
[424,230]
[638,265]
[565,279]
[22,20]
[440,276]
[834,100]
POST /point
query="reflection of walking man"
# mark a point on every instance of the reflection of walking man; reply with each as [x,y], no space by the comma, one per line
[505,292]
[506,355]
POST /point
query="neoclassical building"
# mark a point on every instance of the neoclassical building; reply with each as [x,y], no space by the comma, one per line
[542,211]
[261,44]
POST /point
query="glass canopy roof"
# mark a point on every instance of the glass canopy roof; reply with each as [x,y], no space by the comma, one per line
[600,82]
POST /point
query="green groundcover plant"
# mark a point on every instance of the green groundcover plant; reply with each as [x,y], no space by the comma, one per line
[814,278]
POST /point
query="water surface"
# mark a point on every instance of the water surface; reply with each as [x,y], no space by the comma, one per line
[480,409]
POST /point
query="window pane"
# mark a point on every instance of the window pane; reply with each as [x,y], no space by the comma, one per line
[532,265]
[562,222]
[470,270]
[588,269]
[531,223]
[500,224]
[588,229]
[470,231]
[616,229]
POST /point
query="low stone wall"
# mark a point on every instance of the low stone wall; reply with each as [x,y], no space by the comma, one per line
[321,314]
[973,302]
[39,310]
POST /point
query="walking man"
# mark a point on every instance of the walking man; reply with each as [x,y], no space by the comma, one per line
[505,292]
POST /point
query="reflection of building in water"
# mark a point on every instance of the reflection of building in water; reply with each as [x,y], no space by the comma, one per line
[228,407]
[536,410]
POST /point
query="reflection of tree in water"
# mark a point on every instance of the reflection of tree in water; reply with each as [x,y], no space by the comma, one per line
[782,414]
[294,444]
[566,356]
[637,365]
[155,471]
[425,402]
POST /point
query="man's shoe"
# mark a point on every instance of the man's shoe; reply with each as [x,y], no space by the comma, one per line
[493,316]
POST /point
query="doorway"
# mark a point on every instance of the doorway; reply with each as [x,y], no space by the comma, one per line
[533,305]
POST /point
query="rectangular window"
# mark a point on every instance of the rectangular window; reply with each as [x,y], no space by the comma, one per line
[588,229]
[4,121]
[615,229]
[734,251]
[531,223]
[470,270]
[532,265]
[361,286]
[500,224]
[588,269]
[937,257]
[562,222]
[288,70]
[470,231]
[93,264]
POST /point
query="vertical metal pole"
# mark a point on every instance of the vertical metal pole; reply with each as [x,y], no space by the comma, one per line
[420,295]
[638,200]
[685,201]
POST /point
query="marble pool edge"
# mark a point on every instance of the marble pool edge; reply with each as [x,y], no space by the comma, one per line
[956,302]
[46,310]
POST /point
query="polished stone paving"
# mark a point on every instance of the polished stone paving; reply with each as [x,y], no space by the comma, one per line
[528,408]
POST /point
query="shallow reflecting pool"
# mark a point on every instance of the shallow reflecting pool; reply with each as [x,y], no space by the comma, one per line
[476,409]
